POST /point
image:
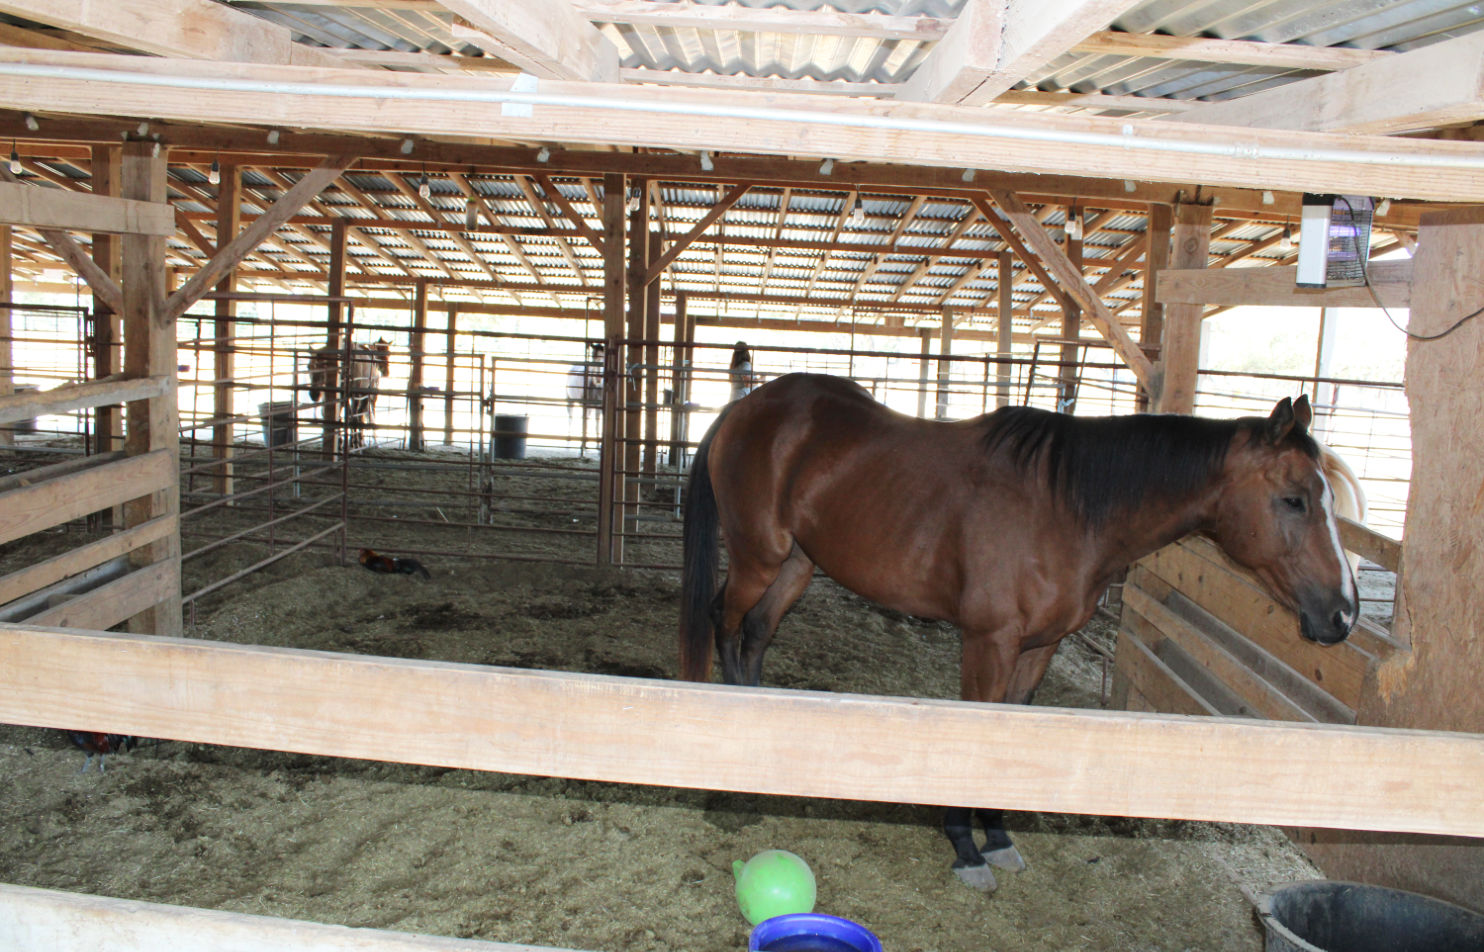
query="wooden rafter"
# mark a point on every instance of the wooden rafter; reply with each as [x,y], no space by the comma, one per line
[366,202]
[523,182]
[944,250]
[874,265]
[1200,49]
[467,247]
[658,266]
[230,254]
[1072,282]
[571,214]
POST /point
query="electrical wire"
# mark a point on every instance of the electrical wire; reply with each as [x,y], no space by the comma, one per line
[1365,273]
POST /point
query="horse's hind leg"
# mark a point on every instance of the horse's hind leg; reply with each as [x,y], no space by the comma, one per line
[760,623]
[745,615]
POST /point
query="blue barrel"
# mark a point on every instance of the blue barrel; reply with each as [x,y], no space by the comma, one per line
[811,932]
[510,437]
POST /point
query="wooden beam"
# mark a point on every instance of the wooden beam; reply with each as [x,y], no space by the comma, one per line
[631,730]
[21,204]
[77,396]
[1275,287]
[1071,280]
[49,919]
[657,266]
[229,255]
[550,39]
[117,601]
[195,29]
[1202,49]
[923,134]
[1435,85]
[994,44]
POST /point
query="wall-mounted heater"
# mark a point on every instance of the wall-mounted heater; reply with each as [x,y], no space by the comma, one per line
[1334,240]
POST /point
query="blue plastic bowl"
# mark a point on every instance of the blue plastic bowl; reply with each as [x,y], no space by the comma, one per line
[812,932]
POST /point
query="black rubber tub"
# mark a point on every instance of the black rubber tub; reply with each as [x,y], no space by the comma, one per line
[1327,915]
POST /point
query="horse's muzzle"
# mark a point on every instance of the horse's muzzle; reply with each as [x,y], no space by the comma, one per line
[1331,624]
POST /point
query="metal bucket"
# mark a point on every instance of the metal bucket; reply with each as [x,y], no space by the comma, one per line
[1327,915]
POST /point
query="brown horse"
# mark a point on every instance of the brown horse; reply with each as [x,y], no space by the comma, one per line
[368,364]
[1008,525]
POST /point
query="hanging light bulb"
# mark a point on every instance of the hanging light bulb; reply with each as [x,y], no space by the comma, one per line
[471,213]
[15,160]
[858,216]
[1286,242]
[424,190]
[215,175]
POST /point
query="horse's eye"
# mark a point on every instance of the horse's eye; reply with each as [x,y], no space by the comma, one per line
[1296,503]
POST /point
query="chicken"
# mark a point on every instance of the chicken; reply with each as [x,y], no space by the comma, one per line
[389,565]
[101,744]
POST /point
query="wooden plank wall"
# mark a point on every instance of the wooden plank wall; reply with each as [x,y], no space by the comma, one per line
[1200,635]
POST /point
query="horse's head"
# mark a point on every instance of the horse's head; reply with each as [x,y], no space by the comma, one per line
[1276,518]
[381,353]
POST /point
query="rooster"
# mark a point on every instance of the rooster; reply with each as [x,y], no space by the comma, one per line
[93,742]
[389,565]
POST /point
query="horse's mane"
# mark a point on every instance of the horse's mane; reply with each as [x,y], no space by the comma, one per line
[1102,465]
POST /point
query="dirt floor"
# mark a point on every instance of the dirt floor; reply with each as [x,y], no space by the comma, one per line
[580,865]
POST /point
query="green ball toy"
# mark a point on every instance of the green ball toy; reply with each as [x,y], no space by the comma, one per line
[773,883]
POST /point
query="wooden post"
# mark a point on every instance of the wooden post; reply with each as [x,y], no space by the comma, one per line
[1005,329]
[613,302]
[922,370]
[415,377]
[108,331]
[150,350]
[223,367]
[1434,686]
[945,350]
[1180,346]
[1071,326]
[451,337]
[329,407]
[652,363]
[1156,259]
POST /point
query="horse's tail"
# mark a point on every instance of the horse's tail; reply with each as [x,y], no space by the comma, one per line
[702,558]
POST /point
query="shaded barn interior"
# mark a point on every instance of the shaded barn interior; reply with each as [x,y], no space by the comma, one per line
[213,211]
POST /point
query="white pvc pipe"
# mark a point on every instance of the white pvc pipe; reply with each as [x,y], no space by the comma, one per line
[1128,138]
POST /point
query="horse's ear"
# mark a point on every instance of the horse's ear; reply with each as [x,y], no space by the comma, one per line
[1280,421]
[1303,415]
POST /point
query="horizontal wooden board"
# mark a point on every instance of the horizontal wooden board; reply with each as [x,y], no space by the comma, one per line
[1259,698]
[1368,543]
[41,574]
[78,396]
[55,501]
[24,204]
[758,740]
[117,601]
[47,920]
[1278,287]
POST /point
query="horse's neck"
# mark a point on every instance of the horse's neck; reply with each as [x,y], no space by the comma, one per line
[1132,535]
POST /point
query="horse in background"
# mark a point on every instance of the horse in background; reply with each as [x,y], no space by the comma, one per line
[367,365]
[1008,525]
[585,390]
[1350,500]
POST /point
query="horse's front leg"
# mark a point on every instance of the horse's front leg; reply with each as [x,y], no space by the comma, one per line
[991,663]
